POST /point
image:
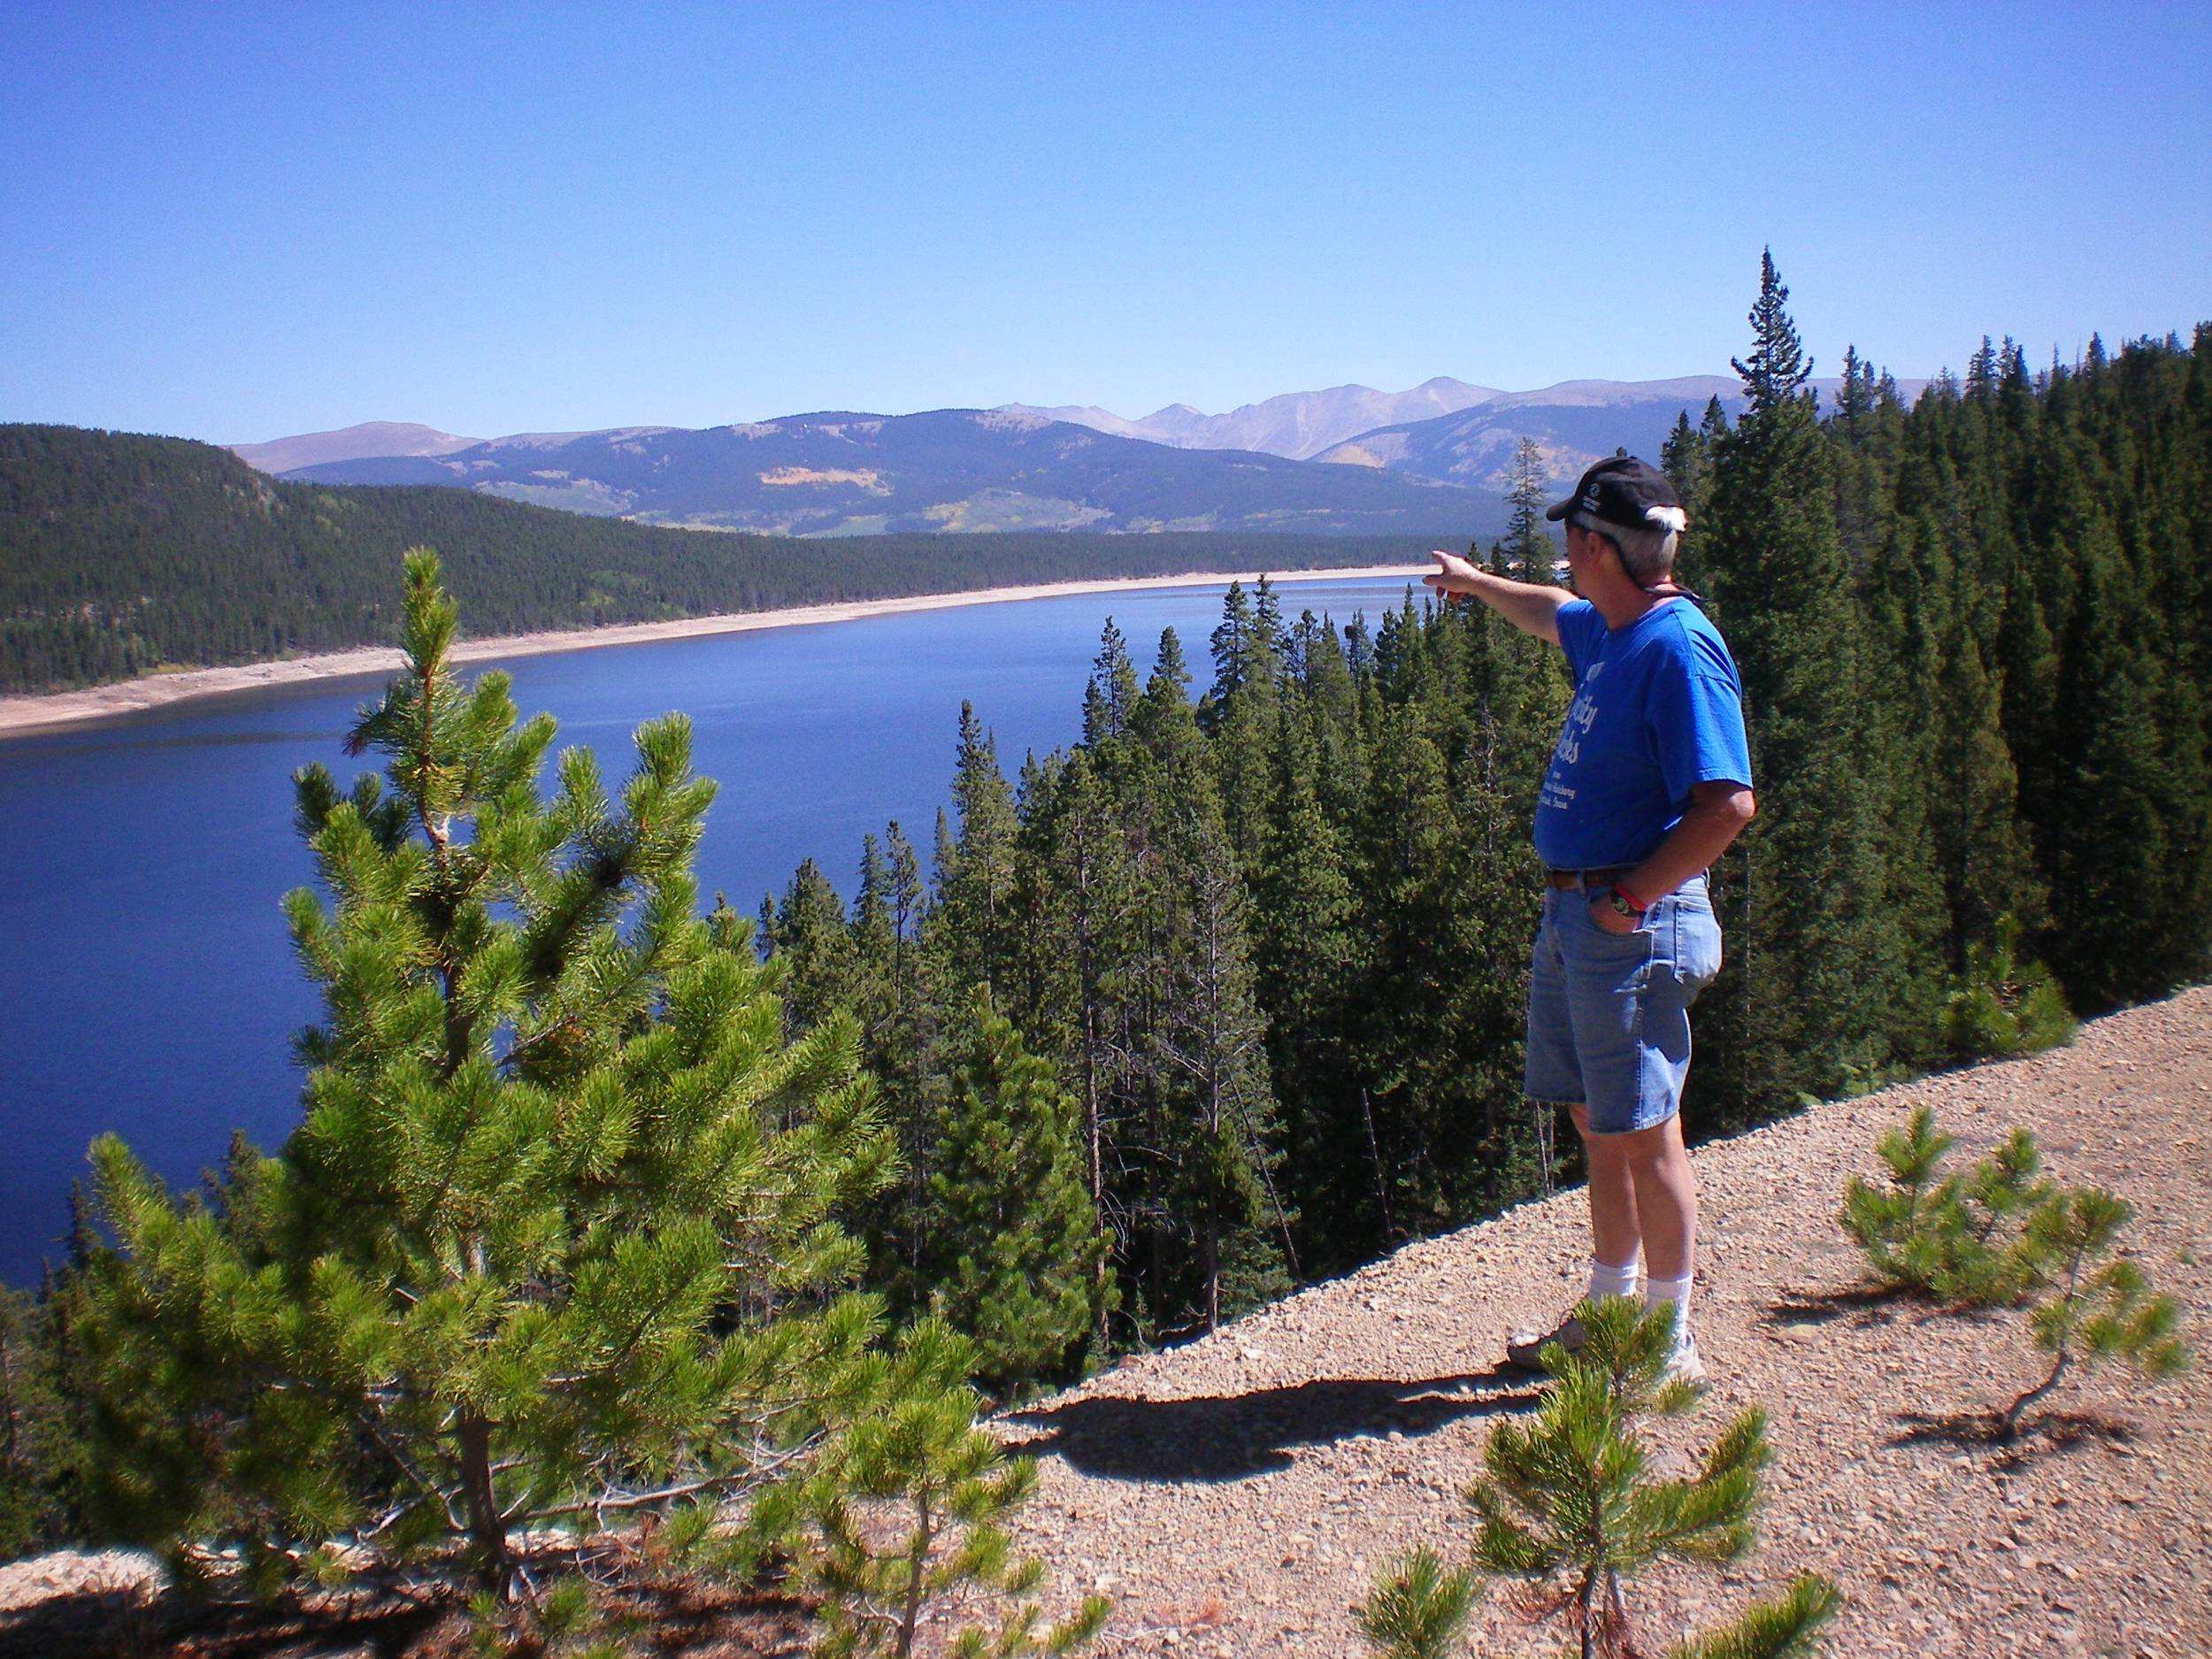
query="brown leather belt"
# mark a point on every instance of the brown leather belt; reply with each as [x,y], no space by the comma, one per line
[1567,880]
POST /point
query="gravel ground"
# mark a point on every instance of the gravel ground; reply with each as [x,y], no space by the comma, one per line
[1235,1495]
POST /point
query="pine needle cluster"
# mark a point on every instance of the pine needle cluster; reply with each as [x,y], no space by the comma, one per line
[1964,1241]
[1568,1504]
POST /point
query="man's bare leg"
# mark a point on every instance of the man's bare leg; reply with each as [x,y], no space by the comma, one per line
[1641,1192]
[1642,1196]
[1643,1180]
[1666,1198]
[1616,1228]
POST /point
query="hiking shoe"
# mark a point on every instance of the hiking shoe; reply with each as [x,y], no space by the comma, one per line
[1684,1367]
[1523,1350]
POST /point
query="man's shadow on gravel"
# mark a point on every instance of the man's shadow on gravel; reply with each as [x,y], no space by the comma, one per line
[1235,1437]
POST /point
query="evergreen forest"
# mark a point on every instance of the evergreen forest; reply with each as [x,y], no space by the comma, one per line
[1269,920]
[123,555]
[606,1201]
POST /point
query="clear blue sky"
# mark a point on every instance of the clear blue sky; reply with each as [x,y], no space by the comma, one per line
[232,223]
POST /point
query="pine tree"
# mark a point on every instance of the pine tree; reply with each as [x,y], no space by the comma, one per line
[1217,1228]
[1432,913]
[2005,1004]
[1693,475]
[39,1455]
[1820,953]
[1015,1234]
[1075,899]
[904,894]
[1241,715]
[1775,373]
[2096,1310]
[1232,648]
[2128,820]
[1963,1241]
[1330,708]
[1419,1609]
[554,1236]
[1530,551]
[1212,1044]
[1566,1502]
[1112,694]
[808,934]
[1981,847]
[1687,458]
[973,921]
[882,979]
[1308,961]
[905,1510]
[1857,399]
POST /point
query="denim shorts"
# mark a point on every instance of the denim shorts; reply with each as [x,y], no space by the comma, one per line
[1608,1014]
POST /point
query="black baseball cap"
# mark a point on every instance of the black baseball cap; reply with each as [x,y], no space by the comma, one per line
[1621,490]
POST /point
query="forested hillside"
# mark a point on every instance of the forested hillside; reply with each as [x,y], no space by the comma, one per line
[1275,942]
[120,554]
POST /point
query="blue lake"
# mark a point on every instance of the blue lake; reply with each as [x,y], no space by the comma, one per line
[147,985]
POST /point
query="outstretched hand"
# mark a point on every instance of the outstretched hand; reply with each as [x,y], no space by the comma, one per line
[1454,577]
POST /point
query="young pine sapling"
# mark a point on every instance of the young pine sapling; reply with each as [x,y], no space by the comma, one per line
[1963,1242]
[902,1516]
[2003,1236]
[1568,1504]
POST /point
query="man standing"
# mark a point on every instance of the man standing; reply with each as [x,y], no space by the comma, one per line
[1649,783]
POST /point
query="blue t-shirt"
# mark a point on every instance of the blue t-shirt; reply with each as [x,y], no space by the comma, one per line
[1657,709]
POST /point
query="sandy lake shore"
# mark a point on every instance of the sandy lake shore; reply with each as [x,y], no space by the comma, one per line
[22,715]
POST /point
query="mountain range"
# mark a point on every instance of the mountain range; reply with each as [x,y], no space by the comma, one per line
[1573,424]
[1299,424]
[845,474]
[1347,460]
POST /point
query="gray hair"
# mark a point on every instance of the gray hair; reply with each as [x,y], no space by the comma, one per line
[1647,556]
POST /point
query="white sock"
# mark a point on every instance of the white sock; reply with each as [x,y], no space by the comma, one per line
[1612,1282]
[1677,1292]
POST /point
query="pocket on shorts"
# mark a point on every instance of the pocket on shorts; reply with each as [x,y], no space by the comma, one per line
[1625,958]
[1697,950]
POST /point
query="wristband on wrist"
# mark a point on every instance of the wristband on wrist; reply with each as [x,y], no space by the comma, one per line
[1626,903]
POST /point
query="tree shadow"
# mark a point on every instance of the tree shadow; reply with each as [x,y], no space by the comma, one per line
[1865,1305]
[1235,1437]
[1862,1304]
[2045,1434]
[92,1625]
[668,1617]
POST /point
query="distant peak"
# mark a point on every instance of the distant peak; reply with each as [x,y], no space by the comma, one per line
[360,441]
